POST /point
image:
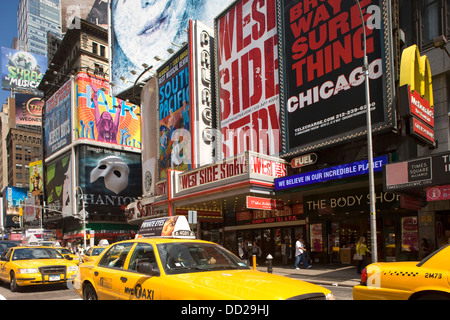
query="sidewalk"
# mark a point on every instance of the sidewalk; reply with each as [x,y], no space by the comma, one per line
[323,274]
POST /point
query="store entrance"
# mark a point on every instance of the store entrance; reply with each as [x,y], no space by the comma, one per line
[278,242]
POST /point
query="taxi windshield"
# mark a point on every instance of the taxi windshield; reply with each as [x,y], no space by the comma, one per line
[97,251]
[185,257]
[36,253]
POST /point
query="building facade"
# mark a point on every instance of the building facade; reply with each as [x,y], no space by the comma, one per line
[34,19]
[88,137]
[322,193]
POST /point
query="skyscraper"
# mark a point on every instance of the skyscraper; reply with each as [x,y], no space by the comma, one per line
[34,19]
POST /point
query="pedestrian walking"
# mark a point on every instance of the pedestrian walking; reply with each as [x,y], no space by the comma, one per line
[300,254]
[361,249]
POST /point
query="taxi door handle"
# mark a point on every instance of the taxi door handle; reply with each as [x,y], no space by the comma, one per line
[123,279]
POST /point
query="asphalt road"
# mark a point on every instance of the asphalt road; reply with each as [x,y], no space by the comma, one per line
[60,292]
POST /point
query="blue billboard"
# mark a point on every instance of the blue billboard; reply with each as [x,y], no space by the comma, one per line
[329,174]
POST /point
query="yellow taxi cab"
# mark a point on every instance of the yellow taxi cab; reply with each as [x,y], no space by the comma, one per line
[428,279]
[179,268]
[26,266]
[67,253]
[92,254]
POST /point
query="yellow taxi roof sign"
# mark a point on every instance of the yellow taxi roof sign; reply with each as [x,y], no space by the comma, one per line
[170,227]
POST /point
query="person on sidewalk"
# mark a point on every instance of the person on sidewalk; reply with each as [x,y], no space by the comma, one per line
[300,254]
[362,249]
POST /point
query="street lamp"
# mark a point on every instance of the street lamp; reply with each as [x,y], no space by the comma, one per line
[83,216]
[373,213]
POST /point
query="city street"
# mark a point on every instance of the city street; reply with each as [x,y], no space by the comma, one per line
[59,292]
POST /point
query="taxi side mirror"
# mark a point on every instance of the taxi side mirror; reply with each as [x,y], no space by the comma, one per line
[67,257]
[147,268]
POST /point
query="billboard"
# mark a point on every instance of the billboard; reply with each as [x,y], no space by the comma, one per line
[156,26]
[58,120]
[59,185]
[247,58]
[21,70]
[93,11]
[323,83]
[174,115]
[103,118]
[110,179]
[36,178]
[15,198]
[28,110]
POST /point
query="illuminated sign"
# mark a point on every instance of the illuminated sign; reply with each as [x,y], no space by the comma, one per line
[329,174]
[416,95]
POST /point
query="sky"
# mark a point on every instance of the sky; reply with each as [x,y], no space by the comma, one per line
[8,30]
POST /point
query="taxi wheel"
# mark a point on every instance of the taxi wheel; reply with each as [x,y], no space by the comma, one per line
[89,292]
[13,283]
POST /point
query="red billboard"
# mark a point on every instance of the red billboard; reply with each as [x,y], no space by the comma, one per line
[247,57]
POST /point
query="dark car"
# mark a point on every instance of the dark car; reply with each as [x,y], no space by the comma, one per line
[6,244]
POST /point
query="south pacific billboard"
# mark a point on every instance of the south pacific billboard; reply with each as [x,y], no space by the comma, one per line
[142,30]
[103,118]
[110,179]
[21,70]
[248,90]
[174,115]
[323,81]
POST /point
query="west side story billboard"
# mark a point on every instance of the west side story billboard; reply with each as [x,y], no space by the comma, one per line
[322,84]
[248,89]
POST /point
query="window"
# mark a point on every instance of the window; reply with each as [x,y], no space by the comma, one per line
[143,253]
[94,48]
[18,147]
[102,51]
[431,20]
[116,256]
[434,20]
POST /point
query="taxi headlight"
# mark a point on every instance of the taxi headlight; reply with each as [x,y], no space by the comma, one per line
[27,270]
[72,268]
[330,296]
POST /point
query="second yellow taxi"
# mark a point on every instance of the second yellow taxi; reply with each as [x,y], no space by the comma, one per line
[428,279]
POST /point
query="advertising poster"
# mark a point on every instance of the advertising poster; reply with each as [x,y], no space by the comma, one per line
[36,178]
[28,110]
[93,11]
[58,120]
[104,118]
[21,70]
[323,83]
[174,115]
[110,179]
[149,129]
[15,198]
[247,56]
[156,26]
[59,186]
